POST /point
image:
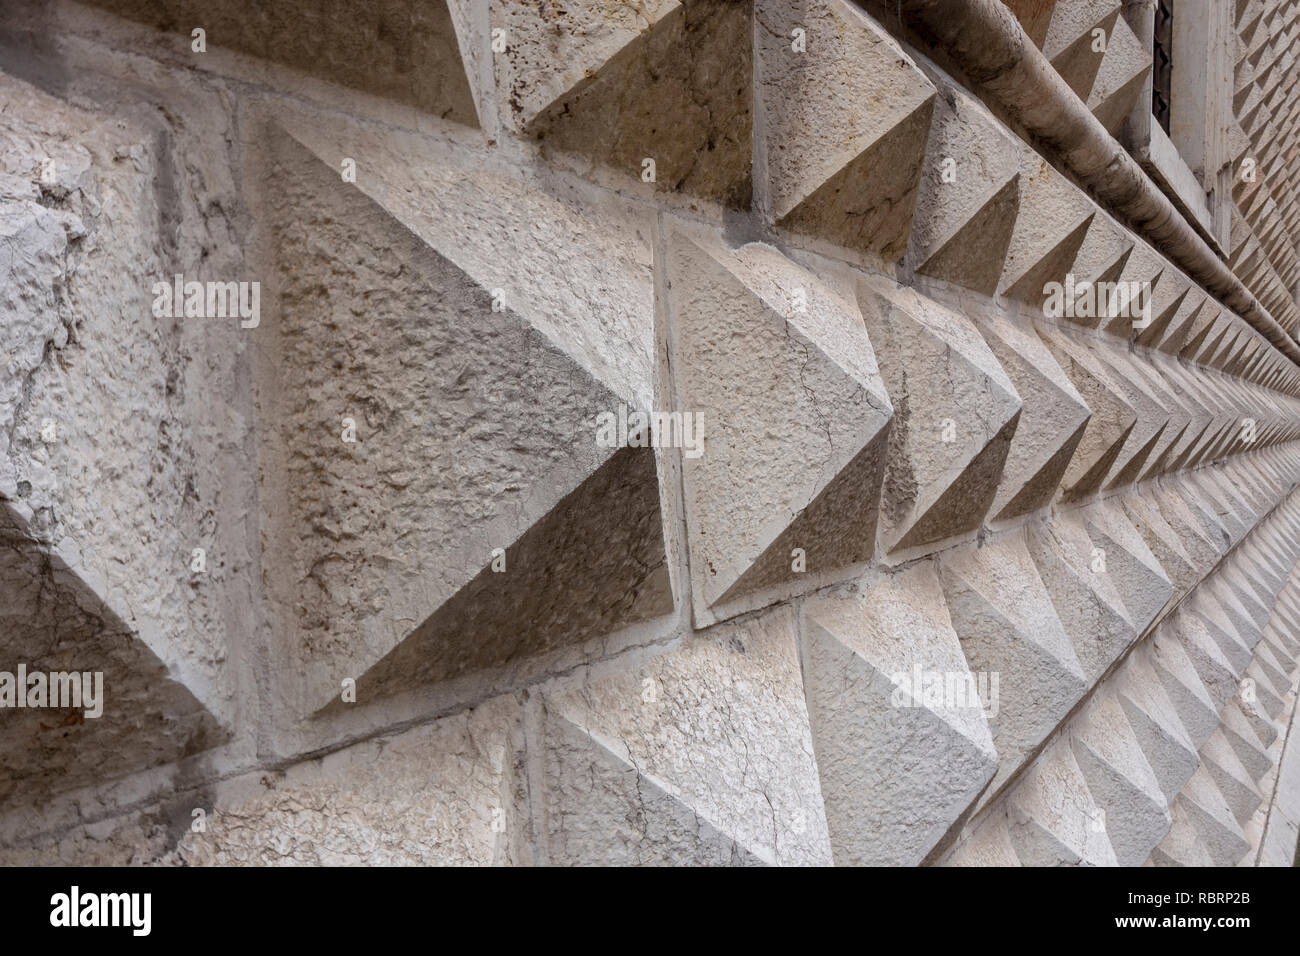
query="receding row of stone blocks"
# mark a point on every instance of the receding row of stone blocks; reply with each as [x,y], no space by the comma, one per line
[802,734]
[1266,102]
[1173,758]
[896,482]
[1265,119]
[923,178]
[845,417]
[1006,454]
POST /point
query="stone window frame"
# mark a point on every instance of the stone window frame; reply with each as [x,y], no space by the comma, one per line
[1192,162]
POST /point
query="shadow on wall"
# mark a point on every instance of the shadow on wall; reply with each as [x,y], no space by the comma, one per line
[390,48]
[28,51]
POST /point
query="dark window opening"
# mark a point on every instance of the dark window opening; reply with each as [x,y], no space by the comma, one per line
[1162,71]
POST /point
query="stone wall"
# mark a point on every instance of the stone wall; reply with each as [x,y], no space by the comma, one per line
[928,573]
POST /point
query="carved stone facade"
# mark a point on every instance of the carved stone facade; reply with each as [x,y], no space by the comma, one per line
[495,432]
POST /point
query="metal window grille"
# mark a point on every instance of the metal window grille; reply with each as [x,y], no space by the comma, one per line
[1162,63]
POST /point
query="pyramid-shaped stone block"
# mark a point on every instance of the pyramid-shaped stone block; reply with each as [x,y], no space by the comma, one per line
[903,747]
[840,172]
[779,369]
[956,413]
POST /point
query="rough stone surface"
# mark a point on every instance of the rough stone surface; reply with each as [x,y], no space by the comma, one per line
[702,756]
[373,561]
[889,562]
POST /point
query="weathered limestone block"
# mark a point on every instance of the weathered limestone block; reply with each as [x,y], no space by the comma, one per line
[581,270]
[404,51]
[1271,699]
[439,794]
[1189,696]
[1287,630]
[144,838]
[1065,22]
[1167,306]
[989,845]
[701,755]
[436,795]
[619,83]
[779,369]
[1223,437]
[1205,423]
[54,618]
[1105,255]
[603,811]
[1250,747]
[901,736]
[34,250]
[1204,547]
[1168,325]
[955,415]
[1216,829]
[1270,558]
[1052,221]
[1267,559]
[1169,412]
[1151,430]
[1214,420]
[1007,625]
[1242,625]
[1213,669]
[839,171]
[1053,819]
[1120,76]
[1052,418]
[1183,845]
[1166,546]
[1113,416]
[395,532]
[1280,638]
[1222,628]
[1119,778]
[1259,608]
[1086,600]
[1233,779]
[1200,330]
[1229,506]
[1272,660]
[1160,733]
[1203,431]
[1269,691]
[99,476]
[1132,568]
[966,203]
[551,48]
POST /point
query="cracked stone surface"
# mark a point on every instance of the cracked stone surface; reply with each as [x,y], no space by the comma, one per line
[760,339]
[437,795]
[701,756]
[679,93]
